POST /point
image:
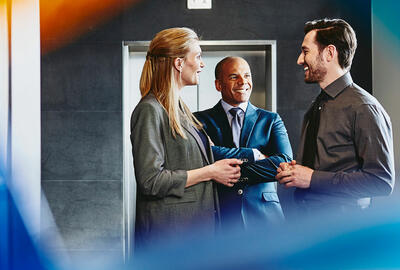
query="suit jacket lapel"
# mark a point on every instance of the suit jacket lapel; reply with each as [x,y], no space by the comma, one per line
[221,120]
[191,130]
[250,119]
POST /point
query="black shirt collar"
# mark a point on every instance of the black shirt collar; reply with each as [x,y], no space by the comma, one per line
[337,86]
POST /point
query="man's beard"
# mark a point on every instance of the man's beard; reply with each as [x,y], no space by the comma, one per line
[316,73]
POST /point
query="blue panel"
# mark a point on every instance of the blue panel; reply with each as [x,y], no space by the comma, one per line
[17,250]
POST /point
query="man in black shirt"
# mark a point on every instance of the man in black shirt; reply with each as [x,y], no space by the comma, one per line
[346,148]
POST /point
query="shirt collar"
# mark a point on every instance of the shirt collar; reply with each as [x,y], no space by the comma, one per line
[337,86]
[227,107]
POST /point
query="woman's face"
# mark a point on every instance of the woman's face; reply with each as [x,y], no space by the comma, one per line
[192,65]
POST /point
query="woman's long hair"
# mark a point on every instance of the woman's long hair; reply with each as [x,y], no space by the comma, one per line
[158,75]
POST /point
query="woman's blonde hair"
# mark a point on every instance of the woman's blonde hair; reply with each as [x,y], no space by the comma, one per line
[158,75]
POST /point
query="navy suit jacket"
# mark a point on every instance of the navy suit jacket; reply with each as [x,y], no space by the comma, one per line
[254,198]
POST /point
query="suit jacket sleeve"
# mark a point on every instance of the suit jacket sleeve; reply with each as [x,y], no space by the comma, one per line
[278,150]
[258,171]
[263,170]
[148,140]
[221,152]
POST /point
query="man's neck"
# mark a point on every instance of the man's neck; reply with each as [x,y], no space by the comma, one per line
[331,76]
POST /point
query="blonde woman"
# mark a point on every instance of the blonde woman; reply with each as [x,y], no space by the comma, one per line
[173,161]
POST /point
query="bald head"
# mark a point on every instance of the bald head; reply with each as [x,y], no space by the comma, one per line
[227,61]
[233,80]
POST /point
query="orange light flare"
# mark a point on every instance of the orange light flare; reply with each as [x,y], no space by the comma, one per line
[63,21]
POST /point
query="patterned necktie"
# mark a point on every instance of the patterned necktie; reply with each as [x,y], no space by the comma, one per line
[236,127]
[313,117]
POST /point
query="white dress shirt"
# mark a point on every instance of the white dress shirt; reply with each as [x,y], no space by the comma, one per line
[243,106]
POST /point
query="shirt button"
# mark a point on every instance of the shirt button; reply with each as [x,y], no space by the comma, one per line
[240,191]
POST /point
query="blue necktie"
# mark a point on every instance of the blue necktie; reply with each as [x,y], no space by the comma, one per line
[236,127]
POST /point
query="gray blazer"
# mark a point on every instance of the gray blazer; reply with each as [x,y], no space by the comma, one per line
[164,206]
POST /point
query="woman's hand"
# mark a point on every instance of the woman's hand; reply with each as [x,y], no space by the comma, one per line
[226,171]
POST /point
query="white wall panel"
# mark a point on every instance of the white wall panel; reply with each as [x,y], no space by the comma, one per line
[25,111]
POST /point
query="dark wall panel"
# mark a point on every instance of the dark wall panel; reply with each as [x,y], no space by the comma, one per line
[83,77]
[81,145]
[88,213]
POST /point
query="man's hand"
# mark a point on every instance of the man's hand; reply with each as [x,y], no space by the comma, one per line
[284,166]
[294,175]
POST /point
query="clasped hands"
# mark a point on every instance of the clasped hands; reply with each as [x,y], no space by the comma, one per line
[291,174]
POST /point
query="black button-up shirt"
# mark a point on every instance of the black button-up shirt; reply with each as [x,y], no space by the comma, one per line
[354,158]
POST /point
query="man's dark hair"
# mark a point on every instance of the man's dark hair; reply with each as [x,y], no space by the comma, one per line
[335,32]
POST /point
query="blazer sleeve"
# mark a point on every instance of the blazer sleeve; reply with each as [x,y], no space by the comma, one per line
[263,170]
[255,171]
[279,140]
[278,150]
[148,148]
[221,152]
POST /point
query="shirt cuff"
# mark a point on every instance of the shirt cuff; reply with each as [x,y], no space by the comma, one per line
[257,154]
[321,181]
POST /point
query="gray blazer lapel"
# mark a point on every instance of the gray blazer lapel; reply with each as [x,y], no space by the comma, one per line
[191,130]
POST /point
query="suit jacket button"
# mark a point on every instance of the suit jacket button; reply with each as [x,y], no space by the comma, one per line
[240,191]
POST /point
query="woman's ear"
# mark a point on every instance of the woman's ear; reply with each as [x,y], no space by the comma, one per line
[178,64]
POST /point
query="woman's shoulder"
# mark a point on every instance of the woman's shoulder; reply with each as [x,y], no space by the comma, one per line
[148,107]
[149,102]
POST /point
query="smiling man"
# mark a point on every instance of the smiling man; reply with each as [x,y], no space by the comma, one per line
[346,148]
[235,122]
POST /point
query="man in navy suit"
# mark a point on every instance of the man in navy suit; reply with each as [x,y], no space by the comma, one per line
[235,122]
